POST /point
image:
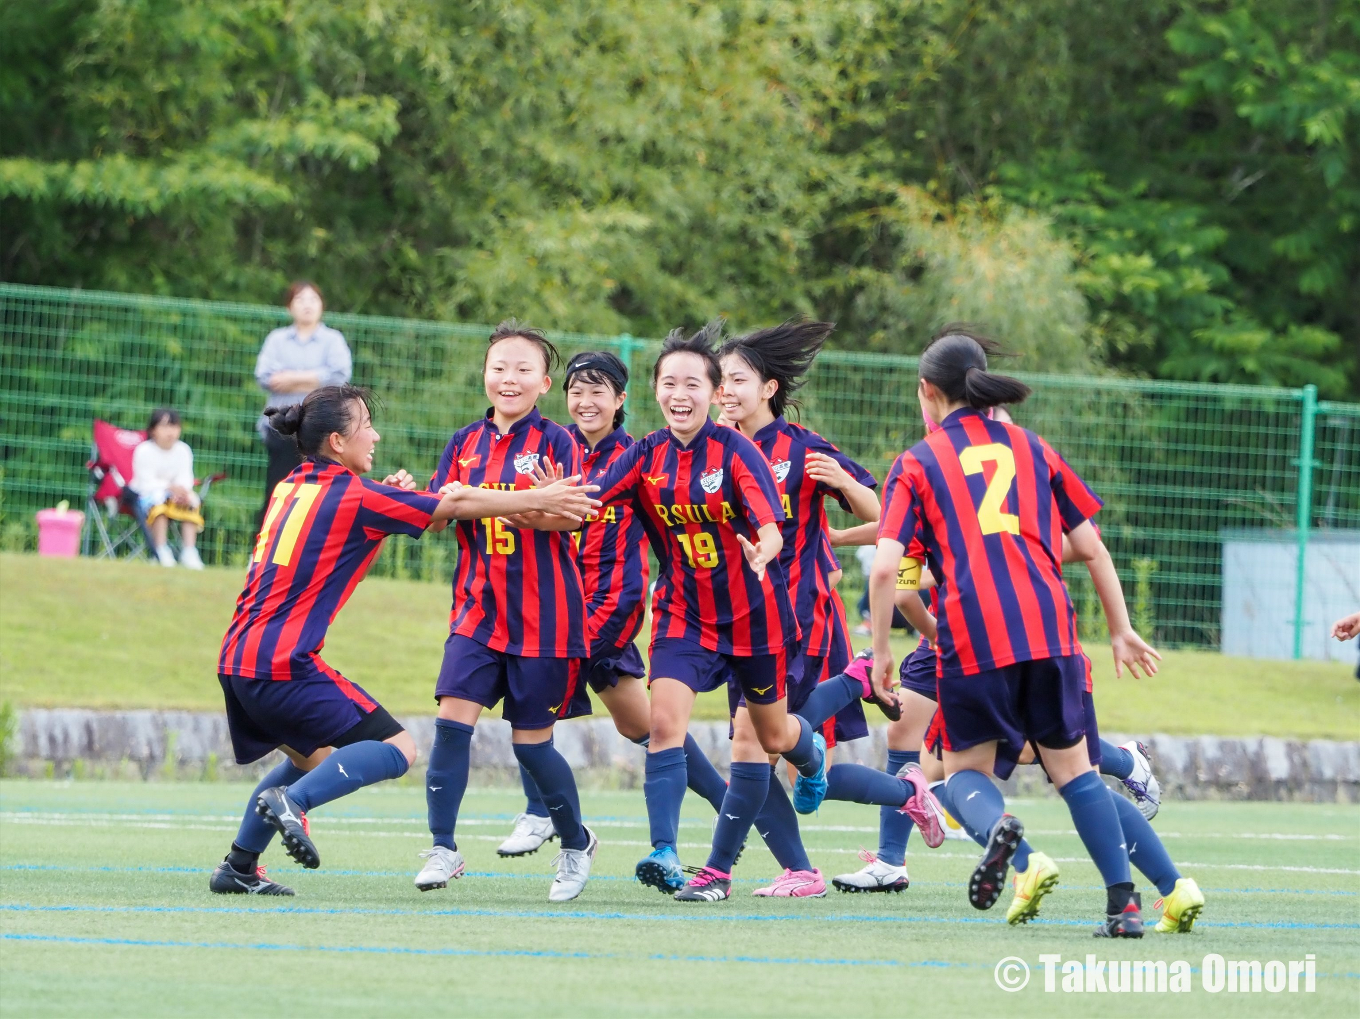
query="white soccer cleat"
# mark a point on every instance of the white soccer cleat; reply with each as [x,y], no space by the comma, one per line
[441,866]
[1142,783]
[165,557]
[876,877]
[573,870]
[189,559]
[528,835]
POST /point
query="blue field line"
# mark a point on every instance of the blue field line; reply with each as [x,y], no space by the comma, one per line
[517,875]
[580,914]
[490,952]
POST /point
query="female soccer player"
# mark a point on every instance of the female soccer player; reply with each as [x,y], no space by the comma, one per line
[323,526]
[996,498]
[761,372]
[517,631]
[708,501]
[612,555]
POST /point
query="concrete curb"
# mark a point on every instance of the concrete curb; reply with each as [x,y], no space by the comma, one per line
[179,744]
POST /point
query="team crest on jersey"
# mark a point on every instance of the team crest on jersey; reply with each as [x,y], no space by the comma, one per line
[711,479]
[781,469]
[525,463]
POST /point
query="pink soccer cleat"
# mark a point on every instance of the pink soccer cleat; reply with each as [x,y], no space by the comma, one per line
[795,884]
[859,669]
[922,807]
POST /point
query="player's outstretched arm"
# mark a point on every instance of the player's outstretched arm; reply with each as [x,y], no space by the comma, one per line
[1128,648]
[563,498]
[770,544]
[882,595]
[1347,627]
[860,534]
[863,501]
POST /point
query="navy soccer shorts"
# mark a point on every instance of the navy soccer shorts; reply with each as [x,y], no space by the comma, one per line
[603,671]
[303,714]
[1041,700]
[918,671]
[537,691]
[760,679]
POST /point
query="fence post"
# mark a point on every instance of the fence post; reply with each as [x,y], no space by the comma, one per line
[1304,506]
[626,347]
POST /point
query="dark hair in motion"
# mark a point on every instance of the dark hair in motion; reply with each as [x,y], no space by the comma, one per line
[297,287]
[161,415]
[703,343]
[513,327]
[956,362]
[321,412]
[783,353]
[599,368]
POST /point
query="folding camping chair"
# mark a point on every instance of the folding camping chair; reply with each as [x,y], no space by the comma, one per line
[109,498]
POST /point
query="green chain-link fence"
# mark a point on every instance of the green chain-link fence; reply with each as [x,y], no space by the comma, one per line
[1177,464]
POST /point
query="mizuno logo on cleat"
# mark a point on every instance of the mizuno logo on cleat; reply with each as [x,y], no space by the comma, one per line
[341,768]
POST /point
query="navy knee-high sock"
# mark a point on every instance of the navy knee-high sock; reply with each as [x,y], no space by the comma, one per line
[253,837]
[1020,861]
[663,787]
[977,802]
[446,778]
[829,697]
[859,784]
[346,770]
[746,794]
[1146,851]
[533,802]
[1097,822]
[557,786]
[894,827]
[805,756]
[778,826]
[701,776]
[1115,761]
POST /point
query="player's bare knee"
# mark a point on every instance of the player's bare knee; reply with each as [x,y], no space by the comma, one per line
[404,742]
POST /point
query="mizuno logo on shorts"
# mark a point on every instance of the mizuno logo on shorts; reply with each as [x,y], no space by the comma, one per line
[762,690]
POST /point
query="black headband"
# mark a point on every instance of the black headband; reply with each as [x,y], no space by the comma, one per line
[596,364]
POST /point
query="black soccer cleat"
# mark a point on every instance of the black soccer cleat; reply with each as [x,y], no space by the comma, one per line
[227,880]
[290,821]
[1126,922]
[989,876]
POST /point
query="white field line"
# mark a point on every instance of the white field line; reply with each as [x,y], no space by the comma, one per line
[20,816]
[117,821]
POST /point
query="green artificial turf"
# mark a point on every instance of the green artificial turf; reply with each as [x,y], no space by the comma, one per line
[104,910]
[133,635]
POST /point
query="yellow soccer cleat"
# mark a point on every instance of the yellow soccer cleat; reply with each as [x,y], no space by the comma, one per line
[1030,888]
[1181,908]
[954,830]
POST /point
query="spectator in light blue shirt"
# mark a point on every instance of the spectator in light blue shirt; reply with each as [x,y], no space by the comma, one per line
[293,361]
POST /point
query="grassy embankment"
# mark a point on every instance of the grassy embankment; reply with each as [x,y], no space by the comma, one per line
[129,635]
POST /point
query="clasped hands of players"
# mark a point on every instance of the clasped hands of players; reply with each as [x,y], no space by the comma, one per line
[563,502]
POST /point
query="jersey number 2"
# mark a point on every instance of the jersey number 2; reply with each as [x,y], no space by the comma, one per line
[991,518]
[301,497]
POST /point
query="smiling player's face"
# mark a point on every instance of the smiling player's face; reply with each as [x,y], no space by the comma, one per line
[515,377]
[592,406]
[355,450]
[743,394]
[685,393]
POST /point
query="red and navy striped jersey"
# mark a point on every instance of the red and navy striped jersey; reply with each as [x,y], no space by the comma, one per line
[693,502]
[515,590]
[786,446]
[323,526]
[612,554]
[990,502]
[822,632]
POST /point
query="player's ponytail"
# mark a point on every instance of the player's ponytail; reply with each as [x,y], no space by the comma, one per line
[783,353]
[321,412]
[955,362]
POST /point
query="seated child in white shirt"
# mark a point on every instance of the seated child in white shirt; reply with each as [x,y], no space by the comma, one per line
[163,480]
